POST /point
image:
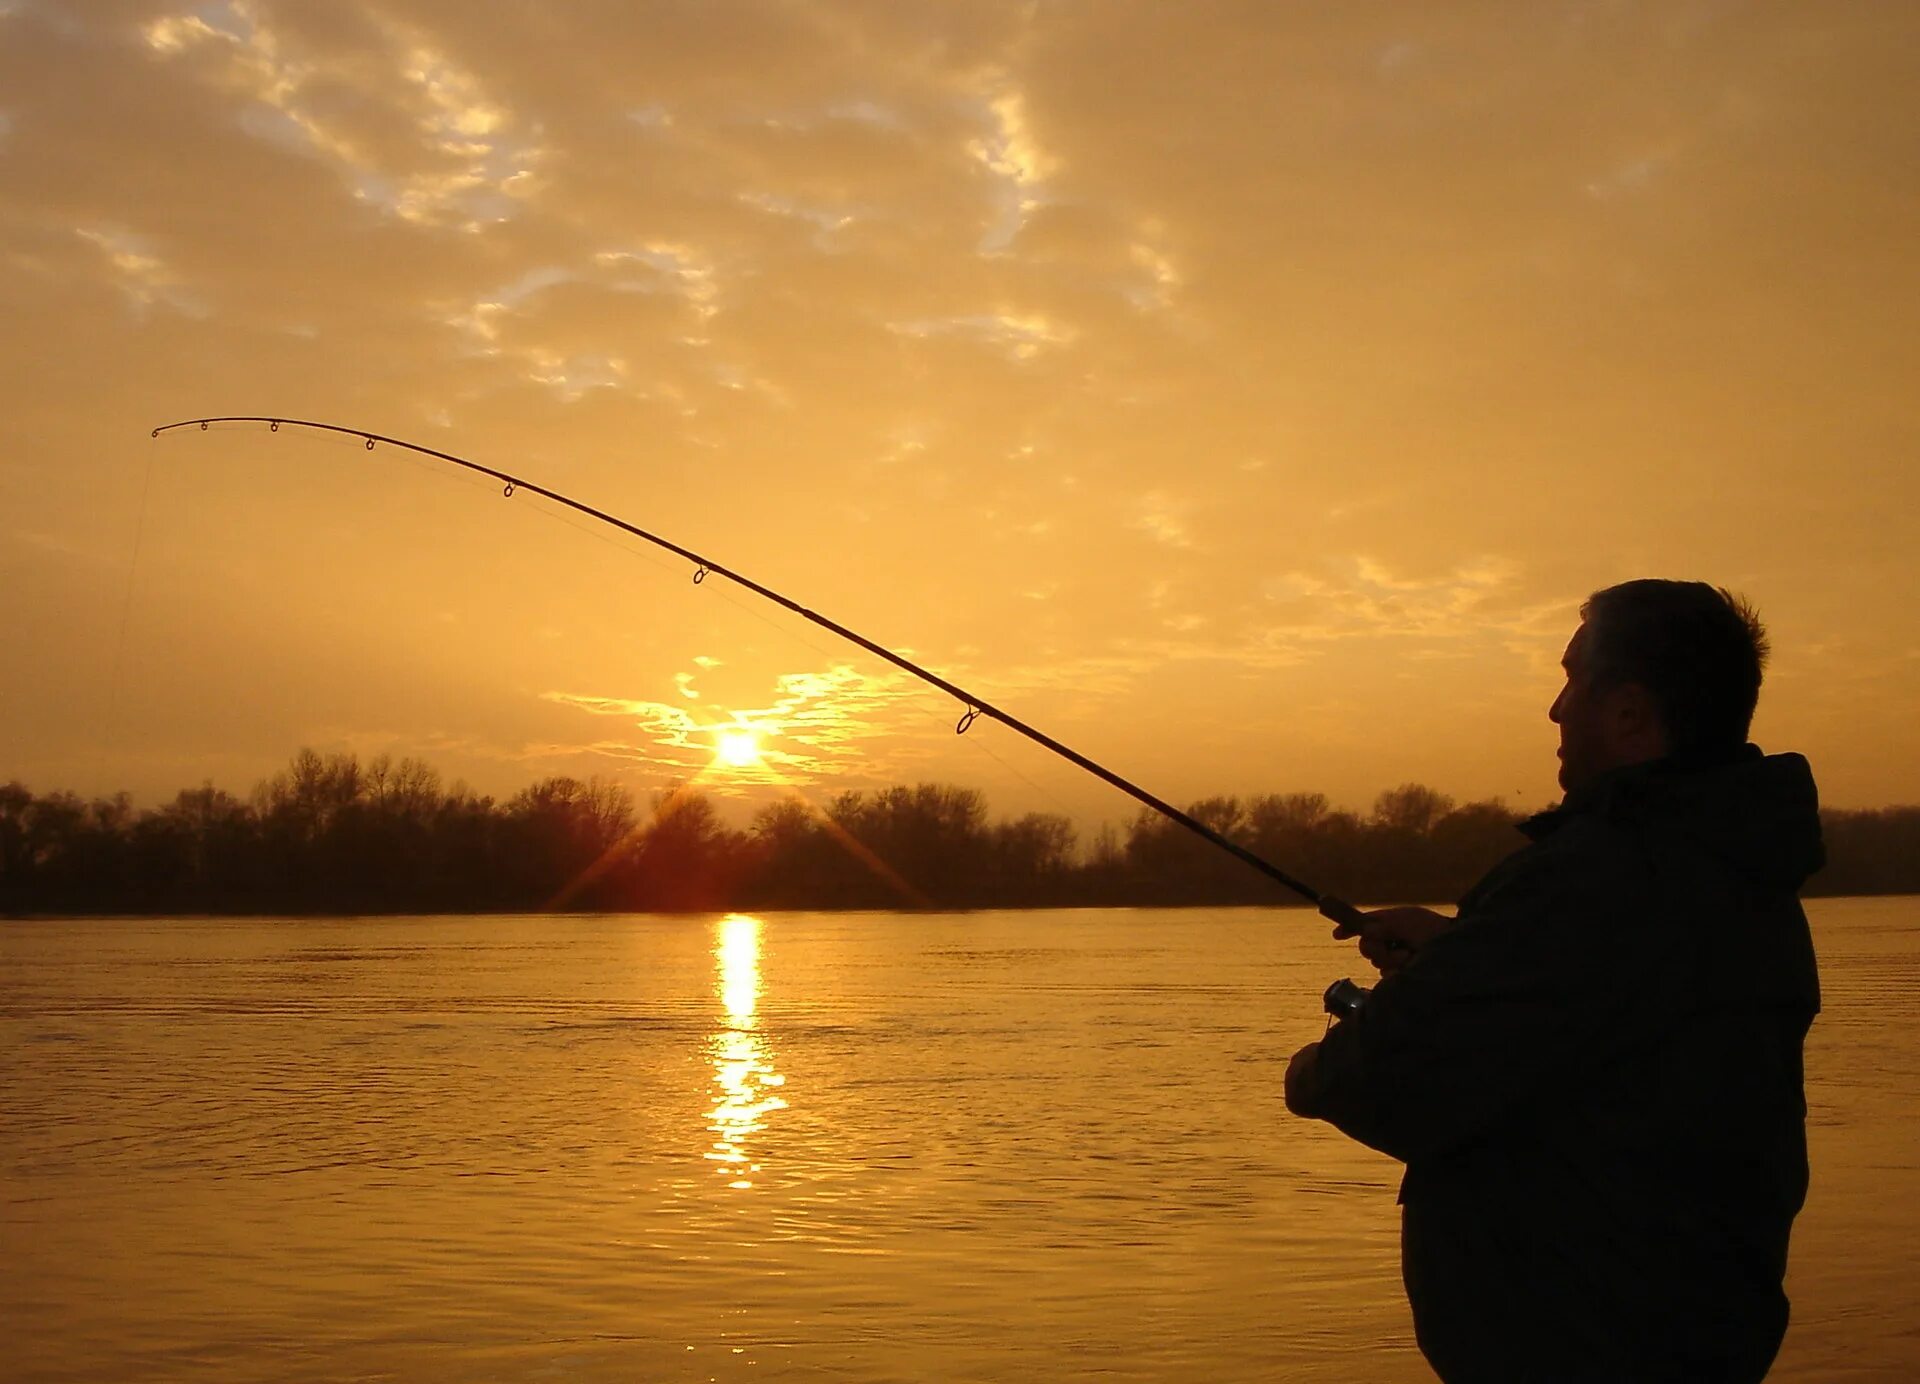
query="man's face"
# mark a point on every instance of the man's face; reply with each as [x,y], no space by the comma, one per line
[1581,714]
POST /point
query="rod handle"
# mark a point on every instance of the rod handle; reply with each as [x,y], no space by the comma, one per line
[1347,919]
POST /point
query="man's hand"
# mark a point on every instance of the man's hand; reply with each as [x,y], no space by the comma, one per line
[1300,1082]
[1391,937]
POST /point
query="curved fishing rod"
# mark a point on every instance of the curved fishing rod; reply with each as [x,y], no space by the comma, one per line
[1345,914]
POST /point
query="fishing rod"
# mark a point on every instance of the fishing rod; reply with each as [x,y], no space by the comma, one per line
[1348,918]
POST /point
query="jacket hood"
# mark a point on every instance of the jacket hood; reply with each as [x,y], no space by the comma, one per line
[1758,813]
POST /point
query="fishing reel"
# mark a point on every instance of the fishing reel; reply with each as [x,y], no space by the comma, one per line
[1343,999]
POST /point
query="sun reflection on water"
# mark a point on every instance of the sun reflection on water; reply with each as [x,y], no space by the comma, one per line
[743,1073]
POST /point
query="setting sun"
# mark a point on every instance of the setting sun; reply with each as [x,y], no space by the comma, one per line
[738,748]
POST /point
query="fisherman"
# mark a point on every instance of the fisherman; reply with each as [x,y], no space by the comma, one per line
[1593,1072]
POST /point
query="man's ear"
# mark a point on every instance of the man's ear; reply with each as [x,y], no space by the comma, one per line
[1636,715]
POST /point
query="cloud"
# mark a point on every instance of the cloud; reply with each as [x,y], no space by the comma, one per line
[1020,336]
[141,274]
[1164,518]
[416,135]
[1634,176]
[1013,160]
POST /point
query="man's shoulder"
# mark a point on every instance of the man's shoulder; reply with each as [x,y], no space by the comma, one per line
[1582,855]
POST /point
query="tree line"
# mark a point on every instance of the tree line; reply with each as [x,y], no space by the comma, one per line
[332,835]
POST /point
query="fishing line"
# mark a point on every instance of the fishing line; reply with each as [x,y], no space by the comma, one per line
[1342,913]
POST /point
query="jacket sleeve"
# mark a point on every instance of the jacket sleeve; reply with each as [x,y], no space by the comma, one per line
[1546,978]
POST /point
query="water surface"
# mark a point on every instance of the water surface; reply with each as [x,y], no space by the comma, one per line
[993,1146]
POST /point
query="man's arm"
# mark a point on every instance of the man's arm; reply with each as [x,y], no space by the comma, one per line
[1303,1081]
[1535,988]
[1389,938]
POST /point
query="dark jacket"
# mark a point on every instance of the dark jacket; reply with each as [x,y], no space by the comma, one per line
[1594,1080]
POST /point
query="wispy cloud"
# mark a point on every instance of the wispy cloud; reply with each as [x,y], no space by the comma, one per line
[1014,161]
[139,271]
[1020,335]
[458,157]
[1165,518]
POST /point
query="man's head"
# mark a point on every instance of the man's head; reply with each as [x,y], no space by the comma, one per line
[1657,669]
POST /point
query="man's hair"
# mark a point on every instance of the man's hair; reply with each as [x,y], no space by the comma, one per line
[1697,649]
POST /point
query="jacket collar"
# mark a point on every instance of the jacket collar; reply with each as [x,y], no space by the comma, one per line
[1629,784]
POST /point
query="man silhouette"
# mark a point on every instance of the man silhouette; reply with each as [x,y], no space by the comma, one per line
[1593,1072]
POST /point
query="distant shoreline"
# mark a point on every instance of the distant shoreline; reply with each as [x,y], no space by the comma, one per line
[317,915]
[334,837]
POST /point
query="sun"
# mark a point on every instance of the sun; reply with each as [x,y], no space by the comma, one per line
[739,749]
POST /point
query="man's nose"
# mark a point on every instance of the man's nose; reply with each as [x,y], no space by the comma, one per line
[1553,712]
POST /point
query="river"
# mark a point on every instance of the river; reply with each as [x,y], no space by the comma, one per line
[857,1147]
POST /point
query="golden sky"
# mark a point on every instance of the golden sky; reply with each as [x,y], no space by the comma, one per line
[1246,394]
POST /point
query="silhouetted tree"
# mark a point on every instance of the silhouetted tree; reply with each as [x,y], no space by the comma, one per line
[1876,851]
[686,859]
[16,825]
[562,832]
[1291,830]
[930,837]
[202,843]
[1169,864]
[1030,861]
[793,860]
[1412,808]
[1469,841]
[1400,854]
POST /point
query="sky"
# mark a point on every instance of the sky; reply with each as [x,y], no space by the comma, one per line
[1245,394]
